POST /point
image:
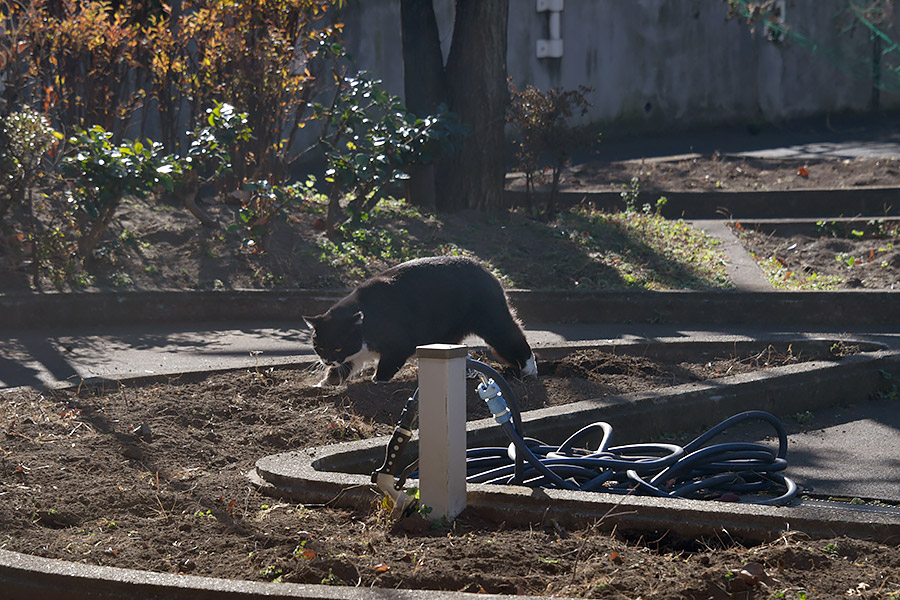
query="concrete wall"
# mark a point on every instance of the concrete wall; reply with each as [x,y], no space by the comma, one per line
[659,64]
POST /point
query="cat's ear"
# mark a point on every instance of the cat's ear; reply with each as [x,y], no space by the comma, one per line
[358,318]
[312,322]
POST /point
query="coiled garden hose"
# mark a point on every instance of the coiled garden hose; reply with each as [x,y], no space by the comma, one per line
[745,471]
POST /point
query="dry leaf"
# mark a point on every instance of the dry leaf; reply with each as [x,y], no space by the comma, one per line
[754,574]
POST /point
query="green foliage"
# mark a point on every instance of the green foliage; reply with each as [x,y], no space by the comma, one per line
[103,173]
[371,141]
[872,229]
[829,228]
[630,193]
[881,229]
[270,572]
[843,257]
[213,140]
[264,205]
[804,418]
[262,55]
[26,139]
[379,233]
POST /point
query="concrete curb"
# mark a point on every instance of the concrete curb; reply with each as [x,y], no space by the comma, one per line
[711,308]
[715,204]
[25,576]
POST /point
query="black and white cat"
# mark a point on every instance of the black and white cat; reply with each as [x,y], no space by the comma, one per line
[424,301]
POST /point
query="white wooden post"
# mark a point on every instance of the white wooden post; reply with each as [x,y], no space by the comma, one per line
[442,428]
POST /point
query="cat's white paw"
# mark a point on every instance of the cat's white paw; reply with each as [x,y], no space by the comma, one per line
[530,368]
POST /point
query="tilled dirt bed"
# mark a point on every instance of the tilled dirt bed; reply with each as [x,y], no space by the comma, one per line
[153,477]
[827,254]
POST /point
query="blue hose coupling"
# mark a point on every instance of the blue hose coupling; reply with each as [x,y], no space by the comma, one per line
[491,394]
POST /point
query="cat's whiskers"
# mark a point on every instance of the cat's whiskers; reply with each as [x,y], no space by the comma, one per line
[353,364]
[319,370]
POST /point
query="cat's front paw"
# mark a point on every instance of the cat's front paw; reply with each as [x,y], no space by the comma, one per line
[335,375]
[529,371]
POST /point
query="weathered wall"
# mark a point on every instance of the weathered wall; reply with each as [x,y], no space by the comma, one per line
[656,64]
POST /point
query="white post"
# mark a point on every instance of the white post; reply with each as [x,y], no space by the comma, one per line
[442,428]
[553,47]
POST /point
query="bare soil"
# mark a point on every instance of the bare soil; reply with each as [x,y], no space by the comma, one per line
[829,254]
[731,173]
[154,477]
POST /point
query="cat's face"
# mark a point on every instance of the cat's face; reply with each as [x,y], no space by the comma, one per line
[336,336]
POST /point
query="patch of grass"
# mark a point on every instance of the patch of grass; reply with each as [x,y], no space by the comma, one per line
[845,258]
[783,278]
[381,235]
[581,248]
[803,418]
[122,279]
[891,389]
[647,250]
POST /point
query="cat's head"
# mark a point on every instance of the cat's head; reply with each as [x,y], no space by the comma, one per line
[337,335]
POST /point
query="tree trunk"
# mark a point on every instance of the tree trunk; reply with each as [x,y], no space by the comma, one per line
[335,215]
[423,84]
[423,62]
[90,240]
[35,240]
[477,90]
[419,188]
[187,192]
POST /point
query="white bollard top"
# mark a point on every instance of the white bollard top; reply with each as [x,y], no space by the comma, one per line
[442,351]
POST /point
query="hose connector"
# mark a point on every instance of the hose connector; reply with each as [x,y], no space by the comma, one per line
[491,394]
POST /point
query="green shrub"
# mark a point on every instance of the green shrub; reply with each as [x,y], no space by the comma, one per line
[371,141]
[103,173]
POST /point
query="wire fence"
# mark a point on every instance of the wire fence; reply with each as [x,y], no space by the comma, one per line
[873,55]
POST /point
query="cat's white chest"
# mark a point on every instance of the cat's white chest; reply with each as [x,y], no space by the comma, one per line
[359,360]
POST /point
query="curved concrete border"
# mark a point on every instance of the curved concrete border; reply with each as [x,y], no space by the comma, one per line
[337,474]
[25,576]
